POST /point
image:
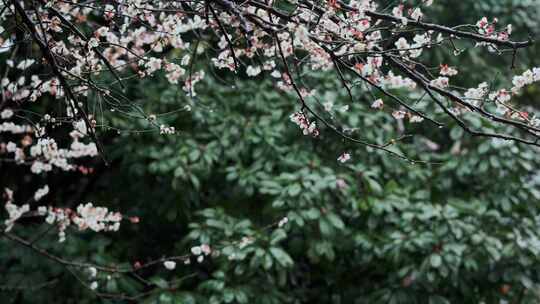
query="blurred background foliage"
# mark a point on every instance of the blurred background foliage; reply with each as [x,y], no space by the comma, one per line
[462,228]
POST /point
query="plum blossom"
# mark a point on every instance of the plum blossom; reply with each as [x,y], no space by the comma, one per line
[421,39]
[343,158]
[485,27]
[14,211]
[41,192]
[398,13]
[399,114]
[341,184]
[92,272]
[527,78]
[377,104]
[283,222]
[245,241]
[415,118]
[10,127]
[6,114]
[190,82]
[153,64]
[392,81]
[477,93]
[441,82]
[170,265]
[205,248]
[196,250]
[416,14]
[23,65]
[402,44]
[163,129]
[93,43]
[174,72]
[447,71]
[42,210]
[501,95]
[328,105]
[11,147]
[308,128]
[96,218]
[85,217]
[201,251]
[253,71]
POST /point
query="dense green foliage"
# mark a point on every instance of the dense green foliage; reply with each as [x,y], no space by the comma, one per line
[461,228]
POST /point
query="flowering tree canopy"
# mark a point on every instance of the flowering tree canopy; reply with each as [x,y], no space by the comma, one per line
[65,64]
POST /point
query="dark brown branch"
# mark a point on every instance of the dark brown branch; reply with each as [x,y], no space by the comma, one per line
[430,88]
[327,124]
[381,89]
[444,29]
[55,258]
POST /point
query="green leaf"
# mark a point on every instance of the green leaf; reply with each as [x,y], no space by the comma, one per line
[435,260]
[281,256]
[438,300]
[185,298]
[194,155]
[267,264]
[160,282]
[373,185]
[241,296]
[335,220]
[228,295]
[312,213]
[456,133]
[526,281]
[325,227]
[295,189]
[277,236]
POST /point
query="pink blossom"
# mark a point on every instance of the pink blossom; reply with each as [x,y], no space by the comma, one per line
[343,158]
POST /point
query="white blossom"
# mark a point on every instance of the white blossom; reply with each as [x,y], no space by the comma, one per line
[441,82]
[416,118]
[6,114]
[23,65]
[92,272]
[377,104]
[170,265]
[343,158]
[253,71]
[196,250]
[41,192]
[399,114]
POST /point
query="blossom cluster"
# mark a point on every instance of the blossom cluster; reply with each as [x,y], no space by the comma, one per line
[198,251]
[307,127]
[502,97]
[14,211]
[84,217]
[40,152]
[156,40]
